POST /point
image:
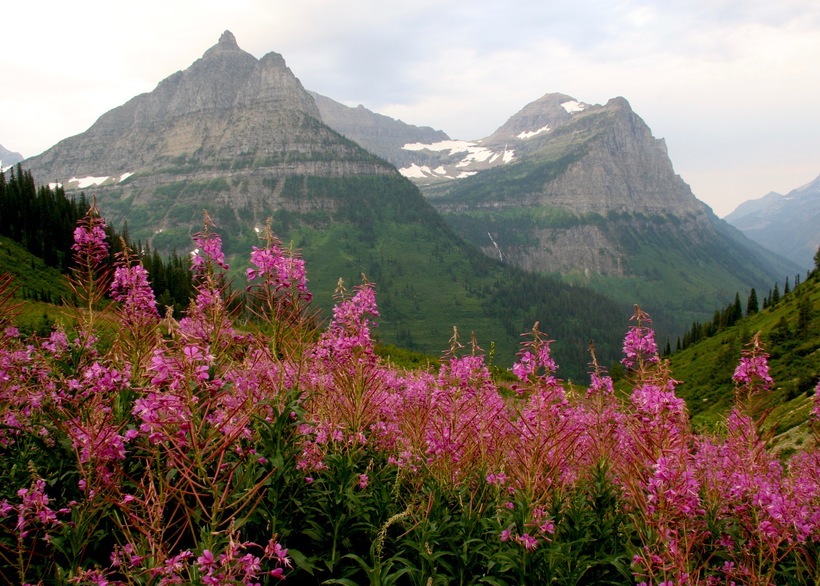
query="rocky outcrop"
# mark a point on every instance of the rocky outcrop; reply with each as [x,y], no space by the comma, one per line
[624,168]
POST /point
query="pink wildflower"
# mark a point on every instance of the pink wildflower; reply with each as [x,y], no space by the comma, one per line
[131,287]
[90,246]
[527,541]
[639,343]
[753,370]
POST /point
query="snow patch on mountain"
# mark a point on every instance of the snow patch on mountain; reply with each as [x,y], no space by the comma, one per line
[573,107]
[531,133]
[89,181]
[454,146]
[415,171]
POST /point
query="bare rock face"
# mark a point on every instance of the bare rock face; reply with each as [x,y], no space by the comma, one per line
[625,169]
[380,135]
[226,109]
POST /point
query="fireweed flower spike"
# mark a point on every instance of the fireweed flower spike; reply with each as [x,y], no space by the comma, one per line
[752,381]
[130,286]
[88,280]
[639,344]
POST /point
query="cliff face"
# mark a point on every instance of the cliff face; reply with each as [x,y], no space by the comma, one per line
[227,109]
[625,169]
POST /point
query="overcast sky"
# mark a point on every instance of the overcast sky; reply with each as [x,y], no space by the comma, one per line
[731,85]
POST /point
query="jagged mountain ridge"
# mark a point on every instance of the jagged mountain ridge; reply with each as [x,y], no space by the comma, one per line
[228,109]
[787,224]
[241,138]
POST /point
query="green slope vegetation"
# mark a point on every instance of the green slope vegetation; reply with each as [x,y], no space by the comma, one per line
[790,331]
[428,280]
[33,279]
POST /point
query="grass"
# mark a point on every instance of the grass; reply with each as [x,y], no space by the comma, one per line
[706,367]
[33,279]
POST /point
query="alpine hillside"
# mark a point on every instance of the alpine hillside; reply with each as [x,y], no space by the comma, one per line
[240,137]
[787,224]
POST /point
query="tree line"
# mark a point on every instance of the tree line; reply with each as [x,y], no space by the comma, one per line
[42,220]
[733,312]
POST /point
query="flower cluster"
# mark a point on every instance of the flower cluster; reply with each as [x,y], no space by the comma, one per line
[90,246]
[753,371]
[639,343]
[131,287]
[177,437]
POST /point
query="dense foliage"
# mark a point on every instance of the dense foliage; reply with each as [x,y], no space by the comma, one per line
[191,451]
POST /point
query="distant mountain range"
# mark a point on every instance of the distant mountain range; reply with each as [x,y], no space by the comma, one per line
[582,193]
[8,158]
[787,224]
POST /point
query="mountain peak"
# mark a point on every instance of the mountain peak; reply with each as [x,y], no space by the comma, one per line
[540,116]
[227,44]
[228,39]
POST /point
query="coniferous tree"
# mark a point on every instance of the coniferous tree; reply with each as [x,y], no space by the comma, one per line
[775,295]
[751,304]
[804,315]
[737,309]
[786,289]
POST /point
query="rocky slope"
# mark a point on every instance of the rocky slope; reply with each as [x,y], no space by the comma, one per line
[380,135]
[227,110]
[588,193]
[787,224]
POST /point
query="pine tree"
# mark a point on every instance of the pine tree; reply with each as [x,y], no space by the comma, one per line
[751,304]
[786,289]
[775,295]
[737,310]
[804,315]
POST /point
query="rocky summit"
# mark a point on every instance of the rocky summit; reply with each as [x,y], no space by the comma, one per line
[228,110]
